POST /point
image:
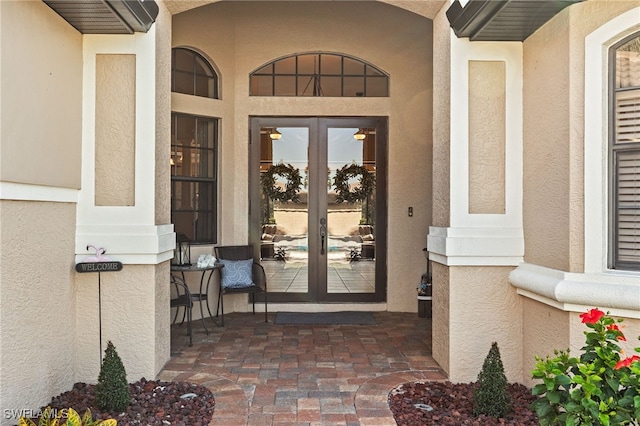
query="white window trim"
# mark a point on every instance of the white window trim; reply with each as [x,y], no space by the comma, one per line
[596,132]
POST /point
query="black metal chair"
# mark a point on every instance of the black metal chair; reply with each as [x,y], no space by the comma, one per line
[183,299]
[256,283]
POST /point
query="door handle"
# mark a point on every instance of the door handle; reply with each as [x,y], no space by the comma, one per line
[323,234]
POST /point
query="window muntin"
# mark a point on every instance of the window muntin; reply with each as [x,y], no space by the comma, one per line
[624,156]
[194,168]
[191,74]
[319,74]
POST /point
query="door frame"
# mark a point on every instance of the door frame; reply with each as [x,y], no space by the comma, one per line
[318,127]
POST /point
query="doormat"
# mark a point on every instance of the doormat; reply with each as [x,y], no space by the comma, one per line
[322,318]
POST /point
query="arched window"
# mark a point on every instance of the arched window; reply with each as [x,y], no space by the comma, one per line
[624,155]
[192,74]
[319,74]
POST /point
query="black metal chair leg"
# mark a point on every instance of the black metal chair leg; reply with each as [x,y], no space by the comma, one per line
[222,311]
[202,315]
[189,329]
[220,308]
[207,299]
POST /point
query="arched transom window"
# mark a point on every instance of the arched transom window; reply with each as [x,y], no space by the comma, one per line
[319,74]
[192,74]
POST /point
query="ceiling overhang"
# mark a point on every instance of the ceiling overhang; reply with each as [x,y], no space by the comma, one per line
[502,20]
[107,16]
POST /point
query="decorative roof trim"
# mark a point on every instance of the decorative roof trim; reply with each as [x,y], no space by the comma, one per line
[502,20]
[107,16]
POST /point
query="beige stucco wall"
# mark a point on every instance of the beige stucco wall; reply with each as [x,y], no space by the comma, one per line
[135,317]
[40,126]
[440,187]
[441,119]
[162,318]
[48,314]
[547,147]
[115,130]
[553,134]
[440,314]
[40,140]
[241,36]
[37,305]
[544,329]
[483,308]
[487,108]
[163,115]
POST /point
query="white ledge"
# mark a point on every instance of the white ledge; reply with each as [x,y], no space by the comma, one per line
[569,291]
[27,192]
[500,246]
[129,244]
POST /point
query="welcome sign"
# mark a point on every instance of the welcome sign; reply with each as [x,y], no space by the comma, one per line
[110,266]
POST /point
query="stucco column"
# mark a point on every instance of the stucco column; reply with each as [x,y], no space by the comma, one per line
[123,205]
[477,236]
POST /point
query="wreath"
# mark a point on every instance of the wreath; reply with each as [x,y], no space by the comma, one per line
[341,183]
[271,190]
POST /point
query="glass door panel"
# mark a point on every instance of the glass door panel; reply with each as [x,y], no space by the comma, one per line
[284,208]
[350,209]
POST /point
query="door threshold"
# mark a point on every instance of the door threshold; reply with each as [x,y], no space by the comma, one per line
[322,307]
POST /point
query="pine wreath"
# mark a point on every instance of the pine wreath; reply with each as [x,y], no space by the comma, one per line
[271,190]
[341,183]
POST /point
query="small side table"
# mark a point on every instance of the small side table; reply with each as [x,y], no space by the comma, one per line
[203,294]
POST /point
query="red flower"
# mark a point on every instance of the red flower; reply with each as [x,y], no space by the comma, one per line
[592,317]
[626,362]
[614,327]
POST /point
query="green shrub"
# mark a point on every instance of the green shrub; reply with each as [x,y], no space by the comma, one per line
[112,390]
[72,419]
[491,395]
[598,388]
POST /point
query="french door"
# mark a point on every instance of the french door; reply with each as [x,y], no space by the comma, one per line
[318,207]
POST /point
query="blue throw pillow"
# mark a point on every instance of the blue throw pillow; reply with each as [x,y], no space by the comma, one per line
[237,273]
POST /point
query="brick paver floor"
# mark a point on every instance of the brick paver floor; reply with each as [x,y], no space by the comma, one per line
[270,374]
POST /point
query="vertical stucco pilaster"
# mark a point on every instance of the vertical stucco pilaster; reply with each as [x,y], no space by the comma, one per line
[163,26]
[129,319]
[481,240]
[440,316]
[441,118]
[135,306]
[441,172]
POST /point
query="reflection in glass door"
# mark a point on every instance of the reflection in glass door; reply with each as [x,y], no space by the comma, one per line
[284,208]
[317,185]
[350,209]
